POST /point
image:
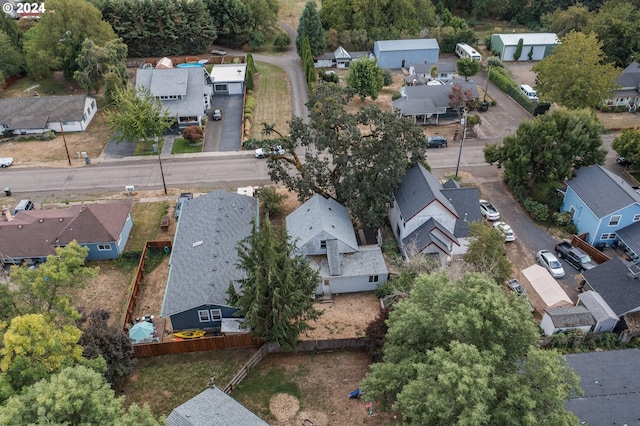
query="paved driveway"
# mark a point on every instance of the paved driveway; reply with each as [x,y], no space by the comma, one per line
[226,134]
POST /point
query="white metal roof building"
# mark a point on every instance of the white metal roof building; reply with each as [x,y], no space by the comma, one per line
[539,45]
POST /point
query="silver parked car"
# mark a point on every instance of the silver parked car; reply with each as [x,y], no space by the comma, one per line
[549,261]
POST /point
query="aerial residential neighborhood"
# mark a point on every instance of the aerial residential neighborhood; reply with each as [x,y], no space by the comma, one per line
[266,212]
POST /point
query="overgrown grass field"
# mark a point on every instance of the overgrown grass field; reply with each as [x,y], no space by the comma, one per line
[273,104]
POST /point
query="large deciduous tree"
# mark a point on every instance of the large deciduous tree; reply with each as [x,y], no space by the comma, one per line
[310,26]
[487,253]
[74,396]
[137,115]
[575,75]
[95,62]
[616,24]
[466,353]
[276,297]
[365,77]
[356,158]
[575,18]
[627,145]
[11,58]
[467,67]
[43,290]
[59,35]
[549,147]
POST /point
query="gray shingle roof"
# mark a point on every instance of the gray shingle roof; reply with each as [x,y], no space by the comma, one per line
[367,261]
[441,66]
[591,183]
[630,235]
[213,407]
[204,255]
[415,106]
[610,280]
[418,189]
[190,83]
[413,44]
[611,384]
[570,316]
[630,77]
[423,236]
[36,112]
[597,306]
[465,203]
[319,214]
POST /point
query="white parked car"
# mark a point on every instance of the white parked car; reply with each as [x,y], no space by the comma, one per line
[488,211]
[267,152]
[6,162]
[549,261]
[509,235]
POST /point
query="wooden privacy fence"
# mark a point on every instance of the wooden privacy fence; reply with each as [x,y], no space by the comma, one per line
[135,290]
[147,350]
[596,255]
[244,371]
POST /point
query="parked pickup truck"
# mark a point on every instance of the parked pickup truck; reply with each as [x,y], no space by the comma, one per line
[574,256]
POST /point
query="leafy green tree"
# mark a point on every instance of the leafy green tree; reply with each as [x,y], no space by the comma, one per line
[277,293]
[356,158]
[615,24]
[137,115]
[34,348]
[575,18]
[251,65]
[466,353]
[627,145]
[7,304]
[307,64]
[233,20]
[60,35]
[75,396]
[365,77]
[258,38]
[518,53]
[282,40]
[11,59]
[94,62]
[549,148]
[467,67]
[487,254]
[310,26]
[9,26]
[272,200]
[44,289]
[575,65]
[99,338]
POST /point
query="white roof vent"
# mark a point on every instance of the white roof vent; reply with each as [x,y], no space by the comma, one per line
[198,243]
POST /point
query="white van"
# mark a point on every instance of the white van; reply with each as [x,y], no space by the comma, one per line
[529,92]
[23,205]
[465,51]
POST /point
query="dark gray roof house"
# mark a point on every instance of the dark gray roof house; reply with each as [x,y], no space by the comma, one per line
[618,284]
[430,217]
[421,73]
[213,407]
[629,92]
[610,381]
[203,259]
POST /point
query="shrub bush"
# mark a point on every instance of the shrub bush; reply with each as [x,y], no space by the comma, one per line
[494,61]
[537,210]
[192,133]
[562,219]
[395,96]
[487,42]
[272,200]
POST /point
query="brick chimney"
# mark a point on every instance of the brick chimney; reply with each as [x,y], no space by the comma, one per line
[6,214]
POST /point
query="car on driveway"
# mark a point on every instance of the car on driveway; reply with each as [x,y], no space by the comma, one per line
[516,287]
[6,162]
[268,152]
[218,52]
[184,196]
[436,141]
[488,211]
[622,161]
[506,230]
[216,115]
[551,263]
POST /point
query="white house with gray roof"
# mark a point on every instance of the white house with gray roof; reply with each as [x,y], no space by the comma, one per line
[322,230]
[431,218]
[203,260]
[184,92]
[445,71]
[228,79]
[564,318]
[213,407]
[628,93]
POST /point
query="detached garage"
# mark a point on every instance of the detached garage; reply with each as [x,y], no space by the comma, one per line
[394,54]
[542,44]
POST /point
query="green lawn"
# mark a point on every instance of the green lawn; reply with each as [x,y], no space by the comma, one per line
[143,148]
[146,223]
[168,381]
[45,87]
[182,146]
[273,104]
[257,389]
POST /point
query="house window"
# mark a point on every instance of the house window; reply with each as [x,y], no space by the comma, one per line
[216,314]
[204,316]
[615,220]
[636,217]
[93,104]
[373,278]
[572,210]
[104,247]
[398,229]
[323,244]
[221,88]
[608,236]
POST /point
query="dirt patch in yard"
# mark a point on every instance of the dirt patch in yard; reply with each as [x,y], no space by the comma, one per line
[152,291]
[348,316]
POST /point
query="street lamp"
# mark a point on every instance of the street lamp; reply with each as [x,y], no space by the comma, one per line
[463,121]
[164,184]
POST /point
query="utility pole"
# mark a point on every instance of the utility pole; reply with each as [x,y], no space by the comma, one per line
[164,184]
[66,148]
[463,121]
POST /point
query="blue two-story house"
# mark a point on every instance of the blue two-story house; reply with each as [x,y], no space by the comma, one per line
[204,260]
[604,206]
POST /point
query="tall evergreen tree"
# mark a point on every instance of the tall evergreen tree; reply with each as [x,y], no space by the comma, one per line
[276,299]
[310,26]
